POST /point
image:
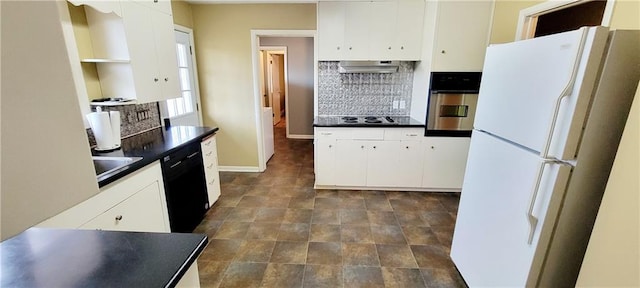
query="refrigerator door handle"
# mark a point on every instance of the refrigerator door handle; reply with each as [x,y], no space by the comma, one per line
[533,220]
[565,92]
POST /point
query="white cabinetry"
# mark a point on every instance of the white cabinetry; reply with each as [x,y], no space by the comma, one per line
[133,50]
[461,35]
[210,162]
[388,158]
[134,203]
[445,159]
[359,30]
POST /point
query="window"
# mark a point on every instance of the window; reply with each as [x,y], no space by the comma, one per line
[184,104]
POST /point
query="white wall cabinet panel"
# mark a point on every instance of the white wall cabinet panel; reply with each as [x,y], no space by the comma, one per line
[331,21]
[163,6]
[356,30]
[370,30]
[211,173]
[350,163]
[462,35]
[409,30]
[445,159]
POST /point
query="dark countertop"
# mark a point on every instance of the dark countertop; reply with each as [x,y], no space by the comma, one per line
[40,257]
[151,146]
[336,121]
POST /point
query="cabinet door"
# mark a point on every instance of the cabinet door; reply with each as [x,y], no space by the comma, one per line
[331,21]
[409,30]
[350,163]
[163,6]
[462,30]
[383,30]
[165,44]
[411,164]
[445,161]
[382,164]
[324,160]
[140,212]
[356,30]
[144,61]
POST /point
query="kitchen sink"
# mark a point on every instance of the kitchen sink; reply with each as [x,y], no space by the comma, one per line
[105,165]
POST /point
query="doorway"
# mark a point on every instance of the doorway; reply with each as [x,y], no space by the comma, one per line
[184,110]
[302,57]
[274,84]
[559,16]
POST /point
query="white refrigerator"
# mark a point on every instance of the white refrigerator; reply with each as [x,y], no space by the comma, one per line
[550,114]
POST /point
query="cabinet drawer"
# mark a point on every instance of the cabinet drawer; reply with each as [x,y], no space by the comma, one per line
[333,133]
[403,134]
[209,147]
[140,212]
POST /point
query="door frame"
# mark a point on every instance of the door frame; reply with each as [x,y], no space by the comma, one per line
[527,16]
[280,50]
[196,85]
[255,60]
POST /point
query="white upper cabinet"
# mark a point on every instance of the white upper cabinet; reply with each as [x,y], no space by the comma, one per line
[461,35]
[379,30]
[104,6]
[134,52]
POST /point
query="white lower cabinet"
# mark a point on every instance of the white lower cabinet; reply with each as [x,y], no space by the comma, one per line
[210,162]
[134,203]
[445,159]
[140,212]
[388,158]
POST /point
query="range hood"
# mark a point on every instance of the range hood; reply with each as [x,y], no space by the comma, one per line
[368,66]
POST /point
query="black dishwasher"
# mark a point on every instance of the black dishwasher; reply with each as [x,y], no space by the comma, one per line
[185,187]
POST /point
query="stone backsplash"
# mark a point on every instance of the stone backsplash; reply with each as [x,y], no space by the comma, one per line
[134,119]
[363,93]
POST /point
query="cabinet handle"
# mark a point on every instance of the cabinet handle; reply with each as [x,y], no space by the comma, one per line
[210,166]
[330,146]
[155,1]
[407,147]
[412,135]
[374,147]
[338,48]
[326,133]
[389,48]
[350,48]
[177,163]
[362,147]
[155,79]
[433,147]
[401,47]
[211,183]
[166,79]
[192,154]
[119,217]
[209,154]
[207,143]
[443,52]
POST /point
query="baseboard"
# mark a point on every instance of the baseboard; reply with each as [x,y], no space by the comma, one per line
[297,136]
[239,169]
[401,189]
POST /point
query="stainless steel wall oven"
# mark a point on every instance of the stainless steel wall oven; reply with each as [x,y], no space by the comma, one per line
[453,97]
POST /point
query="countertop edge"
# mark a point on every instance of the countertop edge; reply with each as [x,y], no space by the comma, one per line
[148,160]
[369,126]
[193,257]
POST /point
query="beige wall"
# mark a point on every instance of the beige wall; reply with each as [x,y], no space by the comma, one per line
[225,72]
[182,13]
[505,19]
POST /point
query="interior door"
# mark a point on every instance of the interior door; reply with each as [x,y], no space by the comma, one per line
[494,242]
[522,82]
[276,89]
[183,110]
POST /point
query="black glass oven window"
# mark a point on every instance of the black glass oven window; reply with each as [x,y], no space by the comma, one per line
[454,110]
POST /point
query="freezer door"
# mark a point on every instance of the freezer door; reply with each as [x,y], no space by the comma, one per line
[494,242]
[523,81]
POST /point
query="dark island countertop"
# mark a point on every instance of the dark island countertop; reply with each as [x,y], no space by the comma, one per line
[336,121]
[40,257]
[152,145]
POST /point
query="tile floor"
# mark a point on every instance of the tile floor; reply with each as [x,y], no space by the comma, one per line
[273,229]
